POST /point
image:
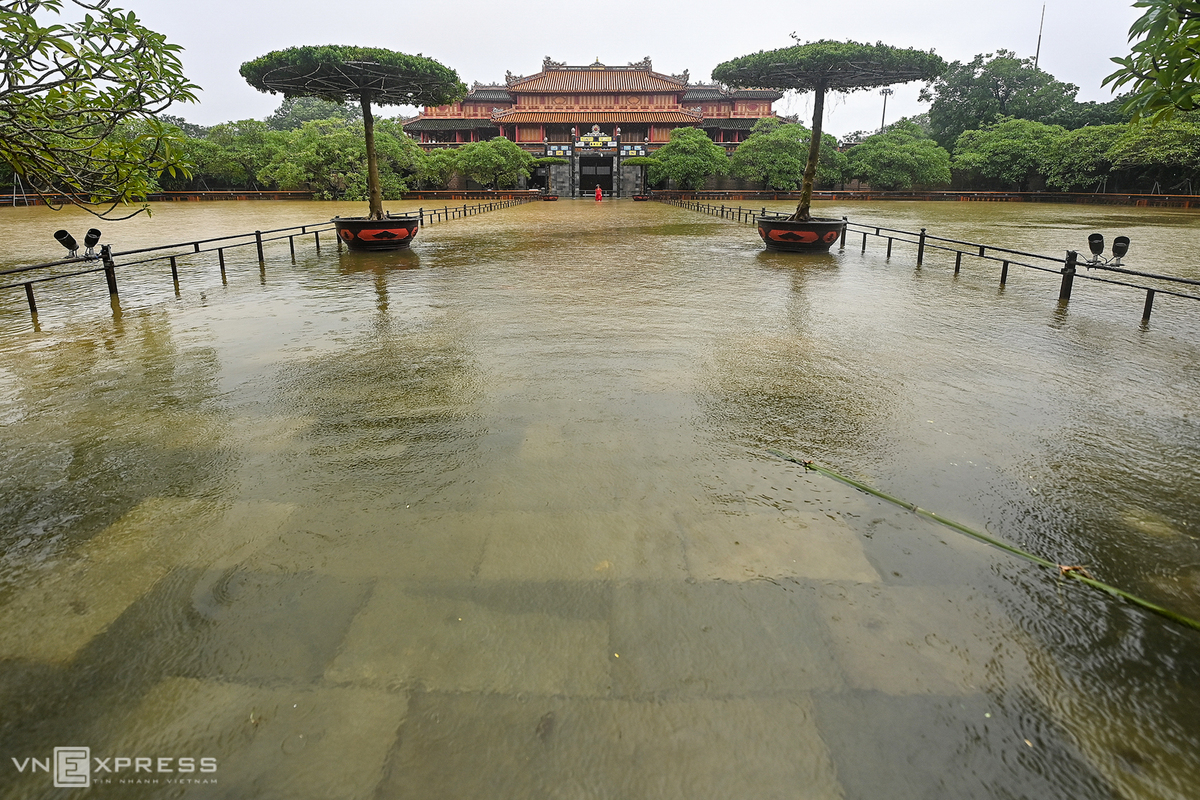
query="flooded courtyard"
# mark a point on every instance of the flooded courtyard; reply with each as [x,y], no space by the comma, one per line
[497,517]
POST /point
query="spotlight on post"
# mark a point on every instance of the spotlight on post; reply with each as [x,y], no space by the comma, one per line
[68,241]
[89,242]
[1096,243]
[1120,248]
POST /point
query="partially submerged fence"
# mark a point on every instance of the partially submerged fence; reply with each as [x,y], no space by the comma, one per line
[1066,267]
[867,195]
[29,277]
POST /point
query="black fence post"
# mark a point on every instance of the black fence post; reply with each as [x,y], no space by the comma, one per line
[1146,309]
[957,262]
[110,269]
[175,275]
[842,237]
[317,239]
[920,249]
[292,246]
[1004,274]
[258,241]
[1068,276]
[221,258]
[29,297]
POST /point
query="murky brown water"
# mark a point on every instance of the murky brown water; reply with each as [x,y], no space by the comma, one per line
[495,517]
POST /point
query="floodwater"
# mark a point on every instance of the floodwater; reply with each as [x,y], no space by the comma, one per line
[496,517]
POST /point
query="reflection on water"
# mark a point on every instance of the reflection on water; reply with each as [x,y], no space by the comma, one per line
[494,517]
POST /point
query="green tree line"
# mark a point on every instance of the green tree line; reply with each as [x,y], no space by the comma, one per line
[318,146]
[996,122]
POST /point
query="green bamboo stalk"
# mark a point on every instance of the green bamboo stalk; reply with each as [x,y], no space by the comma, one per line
[1064,571]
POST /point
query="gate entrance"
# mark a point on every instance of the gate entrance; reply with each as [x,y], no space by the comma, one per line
[595,171]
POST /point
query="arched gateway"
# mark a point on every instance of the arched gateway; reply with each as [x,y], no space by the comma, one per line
[593,116]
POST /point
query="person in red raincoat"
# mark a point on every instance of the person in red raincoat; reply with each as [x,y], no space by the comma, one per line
[599,194]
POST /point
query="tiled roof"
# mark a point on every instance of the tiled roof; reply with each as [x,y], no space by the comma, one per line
[448,124]
[488,94]
[729,124]
[589,117]
[620,79]
[756,94]
[701,91]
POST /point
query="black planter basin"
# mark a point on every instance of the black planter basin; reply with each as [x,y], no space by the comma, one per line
[389,233]
[812,236]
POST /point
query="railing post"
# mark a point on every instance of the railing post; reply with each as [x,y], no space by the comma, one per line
[1145,309]
[1004,274]
[889,252]
[920,249]
[258,241]
[29,297]
[864,247]
[842,238]
[110,269]
[1068,276]
[958,262]
[175,275]
[221,258]
[317,239]
[421,223]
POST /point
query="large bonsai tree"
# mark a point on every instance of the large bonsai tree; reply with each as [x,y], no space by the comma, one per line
[368,74]
[824,66]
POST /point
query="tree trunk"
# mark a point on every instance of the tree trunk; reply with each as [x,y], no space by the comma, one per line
[375,193]
[814,153]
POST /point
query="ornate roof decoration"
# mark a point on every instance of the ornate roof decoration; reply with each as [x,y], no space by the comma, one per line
[682,78]
[548,65]
[510,79]
[643,64]
[583,117]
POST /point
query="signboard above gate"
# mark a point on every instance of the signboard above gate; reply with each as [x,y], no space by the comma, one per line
[595,140]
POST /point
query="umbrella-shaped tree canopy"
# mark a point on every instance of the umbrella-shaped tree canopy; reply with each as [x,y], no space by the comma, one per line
[824,66]
[368,74]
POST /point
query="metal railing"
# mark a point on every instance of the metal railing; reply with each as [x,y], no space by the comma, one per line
[1066,267]
[27,277]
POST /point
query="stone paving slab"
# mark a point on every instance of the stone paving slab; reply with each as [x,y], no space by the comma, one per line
[283,742]
[509,637]
[561,546]
[972,747]
[502,747]
[745,546]
[52,619]
[388,543]
[912,640]
[718,639]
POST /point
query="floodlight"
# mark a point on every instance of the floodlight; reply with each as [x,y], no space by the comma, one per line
[67,240]
[1096,243]
[1120,248]
[89,242]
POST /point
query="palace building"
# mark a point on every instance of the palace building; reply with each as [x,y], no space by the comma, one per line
[593,116]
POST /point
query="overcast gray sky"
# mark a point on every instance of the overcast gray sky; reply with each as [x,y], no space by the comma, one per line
[483,39]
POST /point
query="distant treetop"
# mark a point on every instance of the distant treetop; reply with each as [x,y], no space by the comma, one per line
[830,65]
[338,73]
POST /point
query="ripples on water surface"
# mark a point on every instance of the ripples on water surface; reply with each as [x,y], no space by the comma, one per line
[495,517]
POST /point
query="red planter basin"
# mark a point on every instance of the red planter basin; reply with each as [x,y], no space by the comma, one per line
[813,236]
[390,233]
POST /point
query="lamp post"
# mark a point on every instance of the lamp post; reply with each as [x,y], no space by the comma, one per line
[617,173]
[571,180]
[885,93]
